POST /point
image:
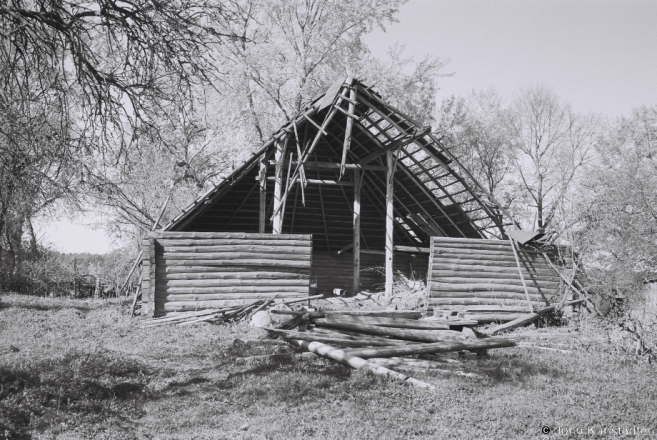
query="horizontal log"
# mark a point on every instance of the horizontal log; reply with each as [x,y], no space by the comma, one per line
[421,250]
[179,306]
[225,296]
[233,282]
[438,302]
[448,274]
[479,257]
[436,347]
[387,322]
[227,235]
[486,308]
[233,276]
[246,270]
[409,335]
[483,287]
[495,317]
[231,289]
[492,269]
[442,261]
[484,253]
[468,241]
[231,256]
[248,249]
[232,242]
[407,314]
[545,284]
[486,295]
[246,263]
[337,338]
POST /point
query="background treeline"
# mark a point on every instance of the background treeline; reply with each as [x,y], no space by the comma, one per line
[133,110]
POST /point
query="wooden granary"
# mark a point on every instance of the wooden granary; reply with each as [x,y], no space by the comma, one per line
[349,185]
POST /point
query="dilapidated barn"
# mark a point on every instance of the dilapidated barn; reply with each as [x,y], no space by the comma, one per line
[344,195]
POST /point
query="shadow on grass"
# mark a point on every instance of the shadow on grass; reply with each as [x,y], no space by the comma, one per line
[513,369]
[45,308]
[55,394]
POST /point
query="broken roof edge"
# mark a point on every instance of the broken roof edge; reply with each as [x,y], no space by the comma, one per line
[316,105]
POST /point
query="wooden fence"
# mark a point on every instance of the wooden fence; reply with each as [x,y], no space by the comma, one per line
[196,270]
[476,272]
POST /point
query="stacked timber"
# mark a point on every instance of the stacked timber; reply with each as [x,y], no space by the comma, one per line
[374,341]
[481,279]
[186,271]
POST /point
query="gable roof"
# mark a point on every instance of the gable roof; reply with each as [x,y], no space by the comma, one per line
[434,194]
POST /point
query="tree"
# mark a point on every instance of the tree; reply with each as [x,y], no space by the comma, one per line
[80,80]
[618,199]
[552,144]
[475,129]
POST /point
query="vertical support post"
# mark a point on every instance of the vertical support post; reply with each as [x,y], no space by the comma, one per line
[357,185]
[262,176]
[390,178]
[348,128]
[278,186]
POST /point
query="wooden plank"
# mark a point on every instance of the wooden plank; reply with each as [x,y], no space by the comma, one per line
[457,279]
[205,242]
[436,347]
[232,282]
[232,289]
[387,322]
[248,263]
[226,235]
[356,231]
[230,256]
[262,201]
[172,298]
[405,334]
[281,146]
[347,135]
[148,303]
[301,250]
[439,301]
[390,178]
[406,314]
[233,276]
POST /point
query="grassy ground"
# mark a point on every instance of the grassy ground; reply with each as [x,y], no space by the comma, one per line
[84,369]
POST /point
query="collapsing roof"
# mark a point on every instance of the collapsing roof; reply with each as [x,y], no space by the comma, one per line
[306,178]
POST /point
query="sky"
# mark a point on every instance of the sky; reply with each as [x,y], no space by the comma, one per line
[600,55]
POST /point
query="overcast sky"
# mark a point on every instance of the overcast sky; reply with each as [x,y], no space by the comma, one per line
[601,55]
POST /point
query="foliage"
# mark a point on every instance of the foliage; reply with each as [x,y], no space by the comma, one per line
[552,144]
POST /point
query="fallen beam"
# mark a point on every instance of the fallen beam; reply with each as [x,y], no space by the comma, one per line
[436,347]
[405,334]
[356,362]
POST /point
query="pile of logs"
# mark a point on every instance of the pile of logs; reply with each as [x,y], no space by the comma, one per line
[230,314]
[379,339]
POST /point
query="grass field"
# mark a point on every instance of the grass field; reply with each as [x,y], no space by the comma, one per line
[74,369]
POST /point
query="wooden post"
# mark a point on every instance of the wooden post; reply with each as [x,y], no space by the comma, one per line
[390,177]
[522,278]
[357,185]
[278,186]
[347,134]
[262,176]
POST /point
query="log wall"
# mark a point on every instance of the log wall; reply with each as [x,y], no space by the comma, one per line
[476,272]
[195,270]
